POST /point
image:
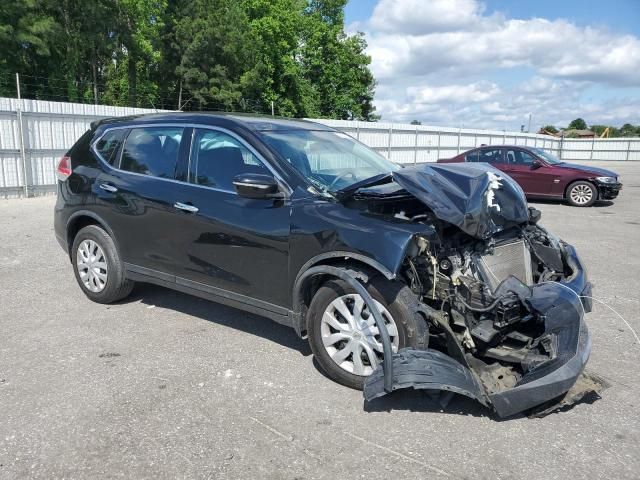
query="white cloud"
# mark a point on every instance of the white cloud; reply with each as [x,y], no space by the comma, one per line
[472,93]
[418,16]
[439,53]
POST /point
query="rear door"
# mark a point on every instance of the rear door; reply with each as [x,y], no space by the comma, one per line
[139,192]
[229,243]
[491,155]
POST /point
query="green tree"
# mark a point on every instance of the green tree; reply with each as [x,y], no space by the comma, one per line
[216,51]
[222,54]
[550,129]
[277,26]
[577,124]
[343,85]
[628,130]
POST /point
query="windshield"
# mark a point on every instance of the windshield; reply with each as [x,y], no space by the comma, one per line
[332,161]
[548,157]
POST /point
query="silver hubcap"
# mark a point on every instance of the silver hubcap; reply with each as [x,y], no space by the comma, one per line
[92,266]
[350,336]
[581,194]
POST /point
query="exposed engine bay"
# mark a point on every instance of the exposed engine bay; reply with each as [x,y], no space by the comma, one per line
[498,290]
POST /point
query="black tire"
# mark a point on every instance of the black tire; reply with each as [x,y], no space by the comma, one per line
[396,297]
[582,186]
[117,286]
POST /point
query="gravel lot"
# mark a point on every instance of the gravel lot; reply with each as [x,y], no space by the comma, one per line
[169,386]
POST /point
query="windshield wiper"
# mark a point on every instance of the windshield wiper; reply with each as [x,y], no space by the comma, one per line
[367,182]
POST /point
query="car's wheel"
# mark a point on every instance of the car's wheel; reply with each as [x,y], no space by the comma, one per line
[582,194]
[97,266]
[343,335]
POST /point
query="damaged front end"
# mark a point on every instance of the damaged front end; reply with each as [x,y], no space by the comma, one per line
[504,299]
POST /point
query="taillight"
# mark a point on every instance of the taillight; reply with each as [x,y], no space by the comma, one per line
[64,168]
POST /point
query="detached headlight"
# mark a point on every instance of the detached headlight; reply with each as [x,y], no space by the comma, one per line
[606,179]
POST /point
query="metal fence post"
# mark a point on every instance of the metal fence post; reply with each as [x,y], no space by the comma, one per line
[593,146]
[23,155]
[389,144]
[459,133]
[415,147]
[439,133]
[561,145]
[628,148]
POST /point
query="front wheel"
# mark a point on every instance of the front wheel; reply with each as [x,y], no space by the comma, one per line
[582,194]
[343,335]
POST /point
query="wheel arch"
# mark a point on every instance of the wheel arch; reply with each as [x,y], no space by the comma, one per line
[359,266]
[83,218]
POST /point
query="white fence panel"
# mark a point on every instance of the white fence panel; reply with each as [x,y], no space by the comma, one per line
[50,128]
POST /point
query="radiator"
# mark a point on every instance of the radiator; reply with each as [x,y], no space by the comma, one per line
[508,259]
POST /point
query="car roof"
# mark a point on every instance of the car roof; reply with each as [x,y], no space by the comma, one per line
[508,146]
[251,122]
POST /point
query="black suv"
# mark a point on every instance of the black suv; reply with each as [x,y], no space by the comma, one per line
[444,267]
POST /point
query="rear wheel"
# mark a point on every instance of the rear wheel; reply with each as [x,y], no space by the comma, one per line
[582,194]
[343,335]
[97,266]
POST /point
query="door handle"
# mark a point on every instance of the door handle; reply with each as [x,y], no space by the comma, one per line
[108,188]
[186,207]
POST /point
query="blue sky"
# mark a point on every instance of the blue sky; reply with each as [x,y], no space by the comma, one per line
[491,63]
[621,15]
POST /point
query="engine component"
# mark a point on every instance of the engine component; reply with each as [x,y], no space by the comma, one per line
[507,311]
[509,259]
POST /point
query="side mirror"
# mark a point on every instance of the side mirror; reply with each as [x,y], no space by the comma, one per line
[256,185]
[536,164]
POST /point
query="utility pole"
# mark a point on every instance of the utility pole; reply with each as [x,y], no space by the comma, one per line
[529,127]
[180,96]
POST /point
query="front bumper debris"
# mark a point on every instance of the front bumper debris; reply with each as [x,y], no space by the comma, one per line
[562,310]
[608,191]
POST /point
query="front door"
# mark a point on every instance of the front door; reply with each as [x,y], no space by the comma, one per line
[227,242]
[519,166]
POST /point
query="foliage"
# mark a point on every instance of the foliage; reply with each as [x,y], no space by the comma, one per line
[550,129]
[195,54]
[577,124]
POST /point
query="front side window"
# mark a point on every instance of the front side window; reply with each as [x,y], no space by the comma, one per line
[330,160]
[519,157]
[109,144]
[548,157]
[152,151]
[217,158]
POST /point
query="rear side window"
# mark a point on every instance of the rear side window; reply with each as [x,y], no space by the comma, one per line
[109,145]
[473,156]
[492,155]
[216,158]
[152,151]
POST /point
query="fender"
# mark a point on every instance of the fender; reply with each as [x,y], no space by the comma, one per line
[300,277]
[88,213]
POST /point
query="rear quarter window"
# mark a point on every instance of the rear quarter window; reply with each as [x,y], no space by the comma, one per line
[109,145]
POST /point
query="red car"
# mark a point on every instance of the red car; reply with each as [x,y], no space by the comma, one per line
[542,175]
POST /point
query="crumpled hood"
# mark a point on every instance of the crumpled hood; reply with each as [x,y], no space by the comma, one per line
[476,197]
[600,172]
